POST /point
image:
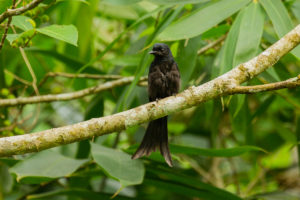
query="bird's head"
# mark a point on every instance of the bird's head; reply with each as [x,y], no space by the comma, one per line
[161,50]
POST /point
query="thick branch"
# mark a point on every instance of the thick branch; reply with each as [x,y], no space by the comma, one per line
[18,11]
[68,96]
[191,97]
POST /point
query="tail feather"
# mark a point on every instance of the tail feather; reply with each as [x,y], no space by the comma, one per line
[156,137]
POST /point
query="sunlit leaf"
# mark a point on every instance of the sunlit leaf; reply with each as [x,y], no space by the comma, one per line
[22,22]
[66,33]
[202,19]
[12,37]
[120,2]
[250,32]
[177,1]
[4,4]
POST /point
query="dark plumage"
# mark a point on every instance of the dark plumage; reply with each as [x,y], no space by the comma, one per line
[163,81]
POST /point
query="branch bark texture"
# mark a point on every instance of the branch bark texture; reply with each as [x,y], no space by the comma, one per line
[192,96]
[19,11]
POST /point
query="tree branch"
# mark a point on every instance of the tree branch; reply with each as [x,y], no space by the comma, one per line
[68,96]
[7,26]
[192,96]
[90,76]
[87,76]
[18,11]
[290,83]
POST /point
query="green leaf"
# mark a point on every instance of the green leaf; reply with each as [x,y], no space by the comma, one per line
[298,137]
[228,152]
[82,1]
[202,19]
[12,37]
[44,166]
[263,107]
[22,22]
[284,153]
[228,50]
[242,44]
[119,11]
[4,4]
[216,32]
[250,33]
[296,9]
[66,33]
[137,22]
[6,180]
[280,19]
[181,189]
[187,56]
[177,1]
[120,2]
[118,165]
[75,193]
[193,183]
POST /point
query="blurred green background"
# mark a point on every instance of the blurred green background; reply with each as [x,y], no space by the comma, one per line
[234,147]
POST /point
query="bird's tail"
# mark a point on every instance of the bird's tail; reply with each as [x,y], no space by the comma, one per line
[156,137]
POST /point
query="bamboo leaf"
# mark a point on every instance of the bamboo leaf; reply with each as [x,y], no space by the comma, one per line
[202,19]
[280,18]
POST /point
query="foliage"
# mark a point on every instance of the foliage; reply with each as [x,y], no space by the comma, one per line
[229,148]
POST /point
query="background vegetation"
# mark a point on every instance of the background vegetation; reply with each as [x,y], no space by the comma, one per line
[234,147]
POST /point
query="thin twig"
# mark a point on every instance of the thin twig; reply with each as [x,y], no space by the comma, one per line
[34,80]
[216,173]
[69,75]
[285,97]
[18,11]
[18,2]
[290,83]
[211,45]
[16,123]
[68,96]
[7,26]
[259,176]
[206,176]
[235,175]
[29,67]
[18,78]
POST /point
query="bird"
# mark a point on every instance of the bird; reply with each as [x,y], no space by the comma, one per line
[163,81]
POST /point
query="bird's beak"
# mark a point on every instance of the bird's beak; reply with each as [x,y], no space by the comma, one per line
[153,52]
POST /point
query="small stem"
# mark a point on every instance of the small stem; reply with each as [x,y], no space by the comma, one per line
[211,45]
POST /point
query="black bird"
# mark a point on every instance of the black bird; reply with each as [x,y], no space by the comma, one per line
[163,81]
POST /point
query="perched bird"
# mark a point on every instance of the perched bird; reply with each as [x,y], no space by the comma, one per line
[163,81]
